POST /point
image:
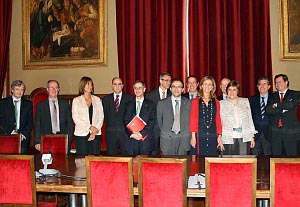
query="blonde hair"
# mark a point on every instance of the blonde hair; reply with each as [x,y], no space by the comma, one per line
[212,92]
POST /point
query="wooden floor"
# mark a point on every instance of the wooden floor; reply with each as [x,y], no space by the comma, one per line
[63,200]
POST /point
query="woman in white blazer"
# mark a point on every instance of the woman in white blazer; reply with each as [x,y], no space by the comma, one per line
[87,113]
[237,124]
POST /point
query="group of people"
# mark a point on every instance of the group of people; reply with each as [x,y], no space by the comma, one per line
[176,123]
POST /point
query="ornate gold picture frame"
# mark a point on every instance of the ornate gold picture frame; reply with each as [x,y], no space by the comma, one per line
[289,12]
[64,33]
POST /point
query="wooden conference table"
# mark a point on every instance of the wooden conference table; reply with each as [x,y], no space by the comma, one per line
[72,168]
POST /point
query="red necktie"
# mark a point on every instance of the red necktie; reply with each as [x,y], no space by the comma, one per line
[117,104]
[279,121]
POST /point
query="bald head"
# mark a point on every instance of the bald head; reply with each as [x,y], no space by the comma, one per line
[223,85]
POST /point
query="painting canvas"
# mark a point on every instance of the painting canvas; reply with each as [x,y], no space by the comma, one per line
[64,33]
[290,29]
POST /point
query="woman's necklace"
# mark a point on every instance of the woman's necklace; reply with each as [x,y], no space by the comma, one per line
[207,113]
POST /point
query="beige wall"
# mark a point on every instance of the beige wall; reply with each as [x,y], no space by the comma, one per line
[69,78]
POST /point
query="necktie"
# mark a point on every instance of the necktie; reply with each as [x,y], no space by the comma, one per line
[176,124]
[138,109]
[280,121]
[163,95]
[54,118]
[191,96]
[117,104]
[262,107]
[16,115]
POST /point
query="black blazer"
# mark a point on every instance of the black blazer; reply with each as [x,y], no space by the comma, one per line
[262,126]
[148,114]
[186,95]
[220,98]
[43,120]
[8,120]
[289,119]
[154,95]
[111,117]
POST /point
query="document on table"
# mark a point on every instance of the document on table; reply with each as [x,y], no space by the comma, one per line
[197,179]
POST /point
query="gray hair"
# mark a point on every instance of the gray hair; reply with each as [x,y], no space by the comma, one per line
[18,83]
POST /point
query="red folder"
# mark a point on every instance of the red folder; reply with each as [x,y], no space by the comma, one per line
[137,124]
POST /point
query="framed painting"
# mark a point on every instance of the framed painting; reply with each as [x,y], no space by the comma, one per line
[289,11]
[64,33]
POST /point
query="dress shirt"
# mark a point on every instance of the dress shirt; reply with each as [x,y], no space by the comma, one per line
[19,110]
[284,92]
[265,99]
[174,103]
[51,107]
[192,94]
[161,93]
[141,103]
[120,97]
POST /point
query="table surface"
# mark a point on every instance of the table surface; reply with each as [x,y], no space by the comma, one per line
[71,178]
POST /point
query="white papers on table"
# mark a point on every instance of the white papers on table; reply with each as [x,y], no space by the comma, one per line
[195,180]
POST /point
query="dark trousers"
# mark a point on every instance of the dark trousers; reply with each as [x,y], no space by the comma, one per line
[84,147]
[262,146]
[282,144]
[138,148]
[156,150]
[237,148]
[115,140]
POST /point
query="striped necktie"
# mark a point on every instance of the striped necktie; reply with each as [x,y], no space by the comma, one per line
[262,107]
[16,115]
[117,103]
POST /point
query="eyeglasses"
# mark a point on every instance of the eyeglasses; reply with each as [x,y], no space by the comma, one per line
[166,80]
[177,87]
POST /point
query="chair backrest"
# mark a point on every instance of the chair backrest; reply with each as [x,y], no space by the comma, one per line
[17,184]
[284,182]
[54,143]
[109,181]
[10,144]
[230,182]
[36,96]
[162,182]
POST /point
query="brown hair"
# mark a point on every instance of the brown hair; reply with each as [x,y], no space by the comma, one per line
[233,83]
[212,92]
[82,83]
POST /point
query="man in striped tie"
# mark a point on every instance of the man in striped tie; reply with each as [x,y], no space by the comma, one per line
[261,120]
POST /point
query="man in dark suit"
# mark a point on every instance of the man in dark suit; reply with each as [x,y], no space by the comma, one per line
[223,86]
[156,95]
[261,120]
[192,83]
[173,117]
[16,114]
[146,110]
[48,120]
[114,107]
[285,126]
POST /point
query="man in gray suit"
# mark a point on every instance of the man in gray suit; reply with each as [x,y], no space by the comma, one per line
[173,117]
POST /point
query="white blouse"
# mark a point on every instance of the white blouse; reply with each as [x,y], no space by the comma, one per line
[229,120]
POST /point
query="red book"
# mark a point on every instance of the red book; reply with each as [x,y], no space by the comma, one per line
[137,124]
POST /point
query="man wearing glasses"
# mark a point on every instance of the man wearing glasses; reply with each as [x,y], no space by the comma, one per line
[173,117]
[156,95]
[53,116]
[140,142]
[114,107]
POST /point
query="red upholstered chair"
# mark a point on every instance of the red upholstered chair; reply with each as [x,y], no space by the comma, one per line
[54,143]
[109,181]
[17,184]
[36,96]
[230,182]
[284,182]
[162,182]
[10,144]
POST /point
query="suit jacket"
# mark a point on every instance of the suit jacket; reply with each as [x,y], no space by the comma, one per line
[148,114]
[80,115]
[220,98]
[155,96]
[43,120]
[165,120]
[289,119]
[262,126]
[111,117]
[8,120]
